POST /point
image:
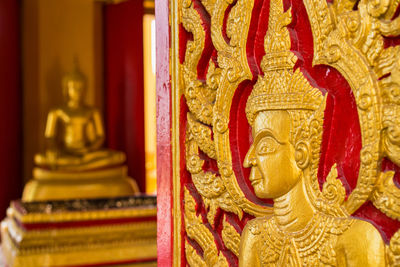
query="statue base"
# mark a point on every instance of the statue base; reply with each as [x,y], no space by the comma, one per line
[61,185]
[100,232]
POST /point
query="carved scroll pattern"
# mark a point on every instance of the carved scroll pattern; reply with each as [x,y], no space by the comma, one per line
[346,37]
[207,131]
[200,98]
[334,46]
[232,59]
[231,237]
[349,36]
[196,230]
[193,258]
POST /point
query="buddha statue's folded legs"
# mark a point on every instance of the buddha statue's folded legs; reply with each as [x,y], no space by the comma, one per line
[90,161]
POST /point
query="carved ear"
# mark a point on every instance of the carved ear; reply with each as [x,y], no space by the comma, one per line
[302,154]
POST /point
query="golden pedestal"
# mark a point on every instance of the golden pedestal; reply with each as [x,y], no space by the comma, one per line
[61,185]
[101,232]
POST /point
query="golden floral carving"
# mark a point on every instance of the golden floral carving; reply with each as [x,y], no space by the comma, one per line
[386,196]
[201,135]
[230,237]
[357,30]
[196,230]
[348,36]
[199,96]
[234,69]
[309,227]
[393,250]
[210,185]
[193,258]
[333,189]
[209,104]
[361,31]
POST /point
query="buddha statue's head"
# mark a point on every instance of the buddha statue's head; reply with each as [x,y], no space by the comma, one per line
[74,85]
[286,116]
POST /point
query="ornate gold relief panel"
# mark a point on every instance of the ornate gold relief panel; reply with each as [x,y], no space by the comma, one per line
[289,133]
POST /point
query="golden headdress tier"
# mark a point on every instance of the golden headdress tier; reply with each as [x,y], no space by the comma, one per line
[280,88]
[277,40]
[75,74]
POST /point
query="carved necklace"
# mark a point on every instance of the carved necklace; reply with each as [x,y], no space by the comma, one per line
[311,246]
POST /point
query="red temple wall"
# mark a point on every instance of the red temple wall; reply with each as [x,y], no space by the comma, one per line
[10,104]
[124,86]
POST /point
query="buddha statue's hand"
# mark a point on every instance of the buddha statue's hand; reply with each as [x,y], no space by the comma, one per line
[51,156]
[81,151]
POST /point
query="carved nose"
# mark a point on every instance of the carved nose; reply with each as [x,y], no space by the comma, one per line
[249,160]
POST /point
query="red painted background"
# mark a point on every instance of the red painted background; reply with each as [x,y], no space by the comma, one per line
[124,86]
[341,139]
[10,105]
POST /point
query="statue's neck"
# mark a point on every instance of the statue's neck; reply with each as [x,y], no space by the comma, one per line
[293,210]
[74,104]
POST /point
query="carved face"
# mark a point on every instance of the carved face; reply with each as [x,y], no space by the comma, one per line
[274,171]
[74,90]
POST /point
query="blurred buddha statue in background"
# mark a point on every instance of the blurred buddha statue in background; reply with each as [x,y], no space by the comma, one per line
[74,157]
[75,133]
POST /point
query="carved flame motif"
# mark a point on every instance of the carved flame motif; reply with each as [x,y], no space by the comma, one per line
[348,36]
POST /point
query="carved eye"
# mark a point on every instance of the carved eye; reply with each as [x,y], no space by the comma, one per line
[267,145]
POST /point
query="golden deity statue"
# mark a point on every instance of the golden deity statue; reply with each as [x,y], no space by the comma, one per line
[308,227]
[74,157]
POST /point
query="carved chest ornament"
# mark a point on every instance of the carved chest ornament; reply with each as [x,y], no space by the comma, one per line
[310,223]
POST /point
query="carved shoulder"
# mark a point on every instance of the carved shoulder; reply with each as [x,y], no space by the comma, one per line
[55,111]
[61,112]
[360,245]
[255,226]
[94,110]
[93,113]
[248,252]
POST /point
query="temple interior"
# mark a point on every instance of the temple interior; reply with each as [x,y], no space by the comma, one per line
[271,137]
[78,138]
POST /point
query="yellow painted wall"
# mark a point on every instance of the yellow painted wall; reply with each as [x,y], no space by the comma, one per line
[54,32]
[150,102]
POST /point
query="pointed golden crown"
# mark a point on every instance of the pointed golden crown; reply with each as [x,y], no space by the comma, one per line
[75,74]
[280,88]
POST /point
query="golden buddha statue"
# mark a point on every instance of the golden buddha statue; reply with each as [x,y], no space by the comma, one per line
[308,227]
[74,156]
[75,134]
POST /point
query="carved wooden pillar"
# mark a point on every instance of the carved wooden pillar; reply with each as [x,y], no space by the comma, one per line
[278,133]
